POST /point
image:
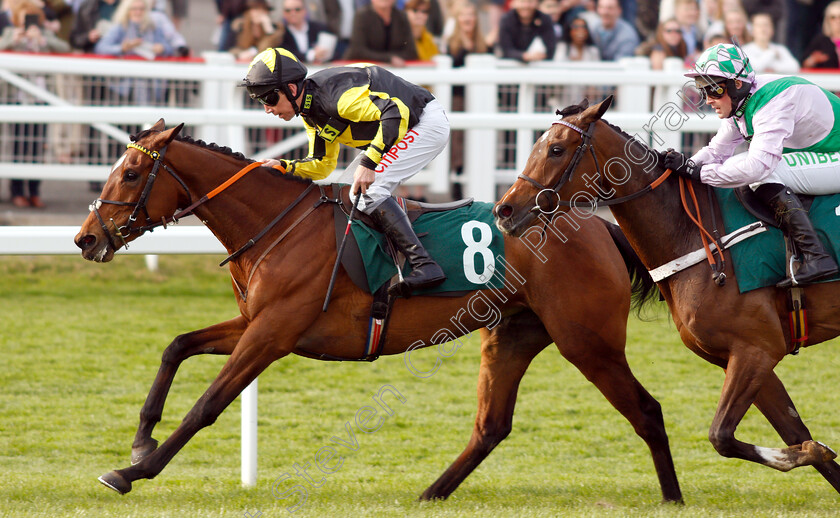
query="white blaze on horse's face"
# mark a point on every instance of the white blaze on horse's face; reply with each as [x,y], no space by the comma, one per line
[544,136]
[118,163]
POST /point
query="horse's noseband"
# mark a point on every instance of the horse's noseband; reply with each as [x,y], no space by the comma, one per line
[126,230]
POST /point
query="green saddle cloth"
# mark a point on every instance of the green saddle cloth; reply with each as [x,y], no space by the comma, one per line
[760,260]
[465,243]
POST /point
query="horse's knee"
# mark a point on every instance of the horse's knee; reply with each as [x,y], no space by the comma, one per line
[488,435]
[174,353]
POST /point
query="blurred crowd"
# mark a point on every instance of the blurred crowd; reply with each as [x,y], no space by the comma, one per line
[778,35]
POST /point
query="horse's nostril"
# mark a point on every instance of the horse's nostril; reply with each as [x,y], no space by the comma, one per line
[86,242]
[505,211]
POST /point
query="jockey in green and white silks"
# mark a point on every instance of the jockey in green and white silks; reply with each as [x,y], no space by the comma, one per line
[775,115]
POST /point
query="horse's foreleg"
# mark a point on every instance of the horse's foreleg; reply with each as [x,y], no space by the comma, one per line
[745,376]
[504,361]
[254,352]
[605,365]
[217,339]
[774,402]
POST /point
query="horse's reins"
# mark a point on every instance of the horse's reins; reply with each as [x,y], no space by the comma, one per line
[586,143]
[140,205]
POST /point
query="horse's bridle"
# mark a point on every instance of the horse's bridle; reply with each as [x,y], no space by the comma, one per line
[586,143]
[126,230]
[586,138]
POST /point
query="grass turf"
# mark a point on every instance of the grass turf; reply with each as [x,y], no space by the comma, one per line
[82,342]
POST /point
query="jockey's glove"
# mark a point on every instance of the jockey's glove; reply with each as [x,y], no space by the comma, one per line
[682,165]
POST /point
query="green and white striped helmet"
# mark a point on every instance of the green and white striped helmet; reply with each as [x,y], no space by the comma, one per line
[722,61]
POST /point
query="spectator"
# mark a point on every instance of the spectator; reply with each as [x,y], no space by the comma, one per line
[418,14]
[577,43]
[647,18]
[801,14]
[229,10]
[764,55]
[255,31]
[308,40]
[28,34]
[466,38]
[494,10]
[614,37]
[822,52]
[669,43]
[525,33]
[92,21]
[687,14]
[774,8]
[735,26]
[713,12]
[381,32]
[338,15]
[552,9]
[137,31]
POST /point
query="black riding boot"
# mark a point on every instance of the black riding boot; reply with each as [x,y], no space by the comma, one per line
[814,262]
[425,273]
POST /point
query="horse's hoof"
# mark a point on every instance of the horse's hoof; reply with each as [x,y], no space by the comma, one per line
[820,451]
[116,482]
[138,452]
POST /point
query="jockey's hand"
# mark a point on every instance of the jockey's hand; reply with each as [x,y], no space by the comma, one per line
[682,165]
[362,179]
[270,162]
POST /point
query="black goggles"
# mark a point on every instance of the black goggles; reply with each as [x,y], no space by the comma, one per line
[268,99]
[713,91]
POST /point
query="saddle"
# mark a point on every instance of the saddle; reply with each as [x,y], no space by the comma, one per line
[352,260]
[760,210]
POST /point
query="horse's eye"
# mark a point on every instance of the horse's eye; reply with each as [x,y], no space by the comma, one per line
[130,176]
[556,150]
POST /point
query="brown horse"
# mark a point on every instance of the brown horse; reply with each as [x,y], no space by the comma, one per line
[285,287]
[582,159]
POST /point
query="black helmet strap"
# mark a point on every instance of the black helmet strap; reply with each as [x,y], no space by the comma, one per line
[284,86]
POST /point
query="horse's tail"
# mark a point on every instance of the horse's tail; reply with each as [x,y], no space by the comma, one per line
[642,286]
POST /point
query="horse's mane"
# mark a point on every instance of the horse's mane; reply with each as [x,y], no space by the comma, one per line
[223,150]
[575,109]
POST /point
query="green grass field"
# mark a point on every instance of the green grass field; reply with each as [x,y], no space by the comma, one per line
[81,344]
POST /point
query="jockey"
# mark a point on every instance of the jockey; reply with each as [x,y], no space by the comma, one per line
[774,115]
[400,126]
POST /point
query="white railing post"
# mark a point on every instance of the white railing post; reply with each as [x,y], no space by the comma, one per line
[480,144]
[249,435]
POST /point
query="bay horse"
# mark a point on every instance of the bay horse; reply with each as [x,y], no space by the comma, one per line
[280,290]
[582,158]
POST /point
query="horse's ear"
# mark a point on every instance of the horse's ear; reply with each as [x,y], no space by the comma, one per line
[171,134]
[159,125]
[605,104]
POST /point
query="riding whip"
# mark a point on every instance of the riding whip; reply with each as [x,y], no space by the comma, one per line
[341,250]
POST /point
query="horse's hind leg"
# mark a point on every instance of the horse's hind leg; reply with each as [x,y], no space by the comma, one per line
[774,402]
[746,375]
[605,365]
[506,353]
[217,339]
